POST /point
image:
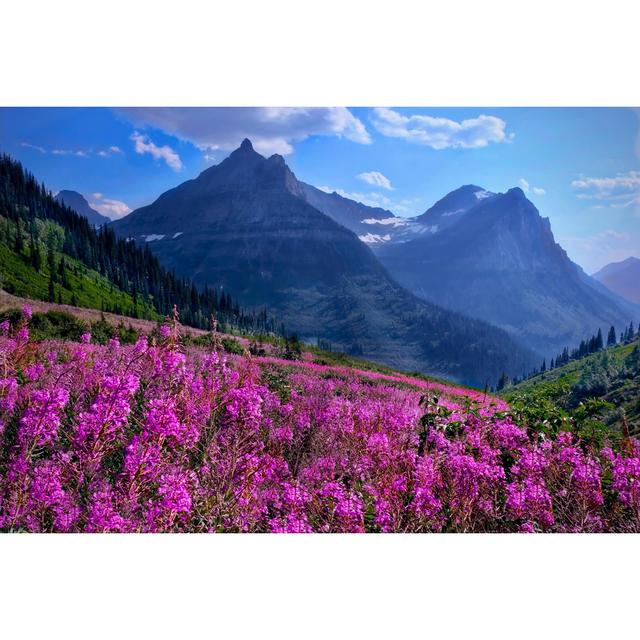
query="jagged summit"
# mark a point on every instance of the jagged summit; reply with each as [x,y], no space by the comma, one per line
[246,145]
[494,257]
[248,225]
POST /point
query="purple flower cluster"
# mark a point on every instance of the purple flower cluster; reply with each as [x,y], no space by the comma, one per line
[153,438]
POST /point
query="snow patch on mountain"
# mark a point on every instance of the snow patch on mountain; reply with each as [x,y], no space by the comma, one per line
[153,236]
[374,238]
[395,222]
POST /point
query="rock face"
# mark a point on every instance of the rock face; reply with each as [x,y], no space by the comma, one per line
[494,257]
[363,220]
[623,278]
[79,204]
[247,225]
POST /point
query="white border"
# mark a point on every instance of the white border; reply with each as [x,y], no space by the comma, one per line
[330,53]
[288,52]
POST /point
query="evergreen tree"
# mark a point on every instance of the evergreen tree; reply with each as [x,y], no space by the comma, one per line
[52,289]
[502,382]
[599,344]
[611,338]
[18,246]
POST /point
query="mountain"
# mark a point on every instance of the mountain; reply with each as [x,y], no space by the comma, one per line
[448,210]
[79,204]
[247,224]
[493,257]
[49,252]
[370,224]
[610,377]
[623,278]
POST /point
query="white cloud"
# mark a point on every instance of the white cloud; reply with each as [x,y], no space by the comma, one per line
[374,199]
[28,145]
[144,144]
[105,153]
[620,191]
[441,133]
[81,153]
[270,129]
[526,187]
[602,188]
[376,179]
[113,209]
[70,152]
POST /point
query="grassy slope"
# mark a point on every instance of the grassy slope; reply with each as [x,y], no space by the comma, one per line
[91,289]
[612,376]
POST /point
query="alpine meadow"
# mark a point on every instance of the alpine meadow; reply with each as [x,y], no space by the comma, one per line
[319,320]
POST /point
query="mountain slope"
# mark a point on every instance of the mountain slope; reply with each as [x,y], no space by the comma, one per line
[48,251]
[499,262]
[610,377]
[79,204]
[623,278]
[370,224]
[448,210]
[246,223]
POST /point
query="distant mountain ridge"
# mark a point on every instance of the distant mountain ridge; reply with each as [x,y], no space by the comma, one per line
[623,278]
[497,259]
[247,223]
[79,204]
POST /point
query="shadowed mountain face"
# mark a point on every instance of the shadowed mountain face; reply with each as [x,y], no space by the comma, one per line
[623,278]
[368,223]
[79,204]
[498,261]
[246,224]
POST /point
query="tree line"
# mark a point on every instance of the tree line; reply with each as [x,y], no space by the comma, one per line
[129,267]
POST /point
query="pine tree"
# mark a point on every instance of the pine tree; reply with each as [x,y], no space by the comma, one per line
[52,289]
[611,338]
[502,382]
[18,246]
[599,343]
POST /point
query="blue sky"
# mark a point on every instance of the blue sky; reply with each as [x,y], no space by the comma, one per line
[580,166]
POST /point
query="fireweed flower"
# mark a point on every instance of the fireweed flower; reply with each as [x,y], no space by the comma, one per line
[162,437]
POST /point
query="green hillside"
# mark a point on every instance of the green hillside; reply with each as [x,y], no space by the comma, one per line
[595,394]
[33,265]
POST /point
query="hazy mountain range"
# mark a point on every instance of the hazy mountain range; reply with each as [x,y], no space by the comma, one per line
[622,278]
[341,271]
[247,224]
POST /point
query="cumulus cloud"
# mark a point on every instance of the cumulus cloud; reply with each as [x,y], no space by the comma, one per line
[270,129]
[144,144]
[376,179]
[526,187]
[113,209]
[441,133]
